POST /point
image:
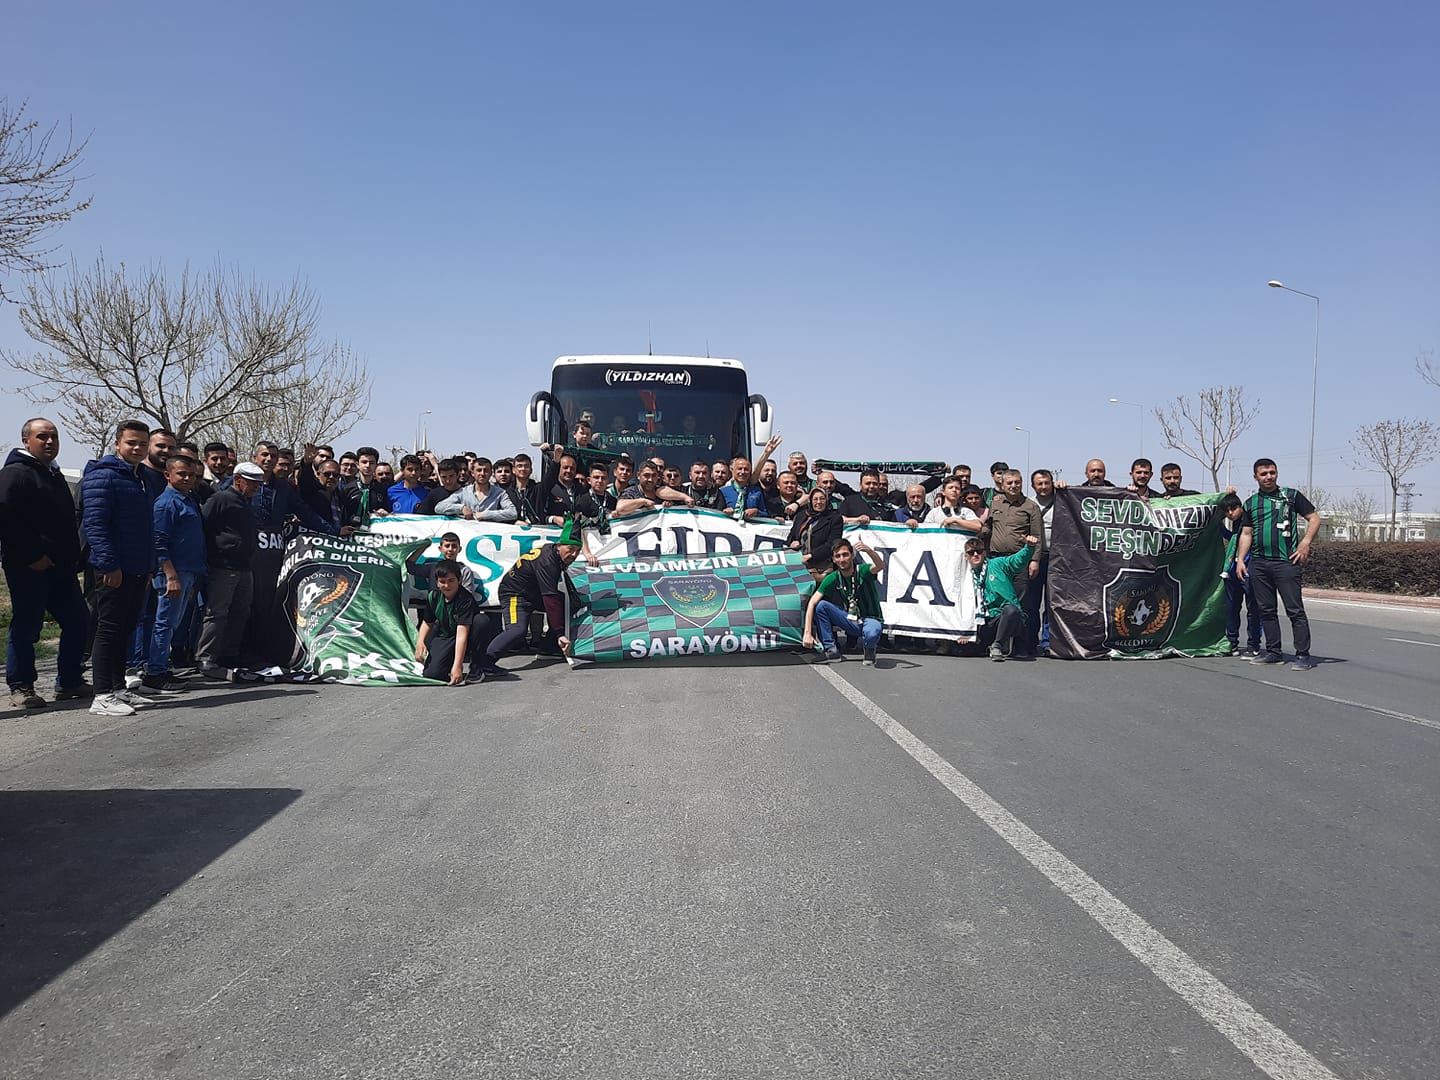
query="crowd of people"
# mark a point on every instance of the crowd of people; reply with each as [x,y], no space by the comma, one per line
[165,566]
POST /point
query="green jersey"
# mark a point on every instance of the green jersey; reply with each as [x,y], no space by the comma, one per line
[858,596]
[1274,522]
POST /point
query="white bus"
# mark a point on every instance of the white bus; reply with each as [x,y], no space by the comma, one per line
[677,407]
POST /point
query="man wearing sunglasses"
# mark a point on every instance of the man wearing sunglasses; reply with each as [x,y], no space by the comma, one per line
[337,505]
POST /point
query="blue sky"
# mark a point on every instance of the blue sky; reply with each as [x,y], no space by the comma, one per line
[918,225]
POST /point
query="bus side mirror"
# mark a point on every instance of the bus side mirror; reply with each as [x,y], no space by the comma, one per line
[760,419]
[537,418]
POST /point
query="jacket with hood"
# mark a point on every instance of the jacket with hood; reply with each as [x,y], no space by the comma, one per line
[117,519]
[37,514]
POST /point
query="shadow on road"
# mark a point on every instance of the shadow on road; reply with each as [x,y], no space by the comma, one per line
[252,693]
[79,866]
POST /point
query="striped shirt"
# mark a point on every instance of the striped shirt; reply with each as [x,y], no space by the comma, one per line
[1274,521]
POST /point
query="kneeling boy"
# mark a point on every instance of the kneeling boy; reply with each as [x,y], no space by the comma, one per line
[445,624]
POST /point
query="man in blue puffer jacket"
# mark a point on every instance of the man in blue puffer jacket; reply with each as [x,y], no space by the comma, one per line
[118,523]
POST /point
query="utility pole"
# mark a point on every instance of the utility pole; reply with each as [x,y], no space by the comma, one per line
[1408,495]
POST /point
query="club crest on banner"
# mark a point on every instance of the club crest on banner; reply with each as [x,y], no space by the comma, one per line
[320,603]
[698,599]
[1142,608]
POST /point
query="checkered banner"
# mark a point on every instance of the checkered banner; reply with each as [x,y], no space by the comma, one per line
[639,609]
[924,593]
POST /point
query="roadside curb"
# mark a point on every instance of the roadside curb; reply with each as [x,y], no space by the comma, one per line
[1430,603]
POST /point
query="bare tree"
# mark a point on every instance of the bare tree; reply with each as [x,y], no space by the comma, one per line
[37,188]
[1428,367]
[1395,447]
[339,400]
[1205,428]
[1355,509]
[205,354]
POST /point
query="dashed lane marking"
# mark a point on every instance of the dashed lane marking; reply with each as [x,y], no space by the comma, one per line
[1354,704]
[1273,1051]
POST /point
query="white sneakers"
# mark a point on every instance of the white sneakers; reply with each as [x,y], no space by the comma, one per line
[119,703]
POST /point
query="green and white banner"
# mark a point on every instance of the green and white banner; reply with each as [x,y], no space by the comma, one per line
[1131,579]
[642,609]
[923,594]
[345,598]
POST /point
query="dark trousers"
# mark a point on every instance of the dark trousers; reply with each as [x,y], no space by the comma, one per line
[227,610]
[441,651]
[1003,630]
[270,636]
[1239,595]
[1272,577]
[1036,635]
[117,611]
[515,615]
[440,657]
[144,628]
[32,594]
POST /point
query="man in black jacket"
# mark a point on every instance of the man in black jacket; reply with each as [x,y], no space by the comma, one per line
[230,542]
[41,556]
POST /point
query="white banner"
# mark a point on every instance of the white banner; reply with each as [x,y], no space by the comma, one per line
[926,590]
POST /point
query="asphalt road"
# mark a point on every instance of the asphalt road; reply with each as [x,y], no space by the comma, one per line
[935,867]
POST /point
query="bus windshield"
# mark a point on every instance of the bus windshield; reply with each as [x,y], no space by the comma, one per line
[677,413]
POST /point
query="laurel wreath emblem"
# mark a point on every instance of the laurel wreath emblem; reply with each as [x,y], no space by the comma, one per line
[342,586]
[1162,616]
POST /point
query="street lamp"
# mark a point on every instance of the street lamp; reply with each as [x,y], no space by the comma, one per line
[1027,450]
[419,437]
[1141,408]
[1314,380]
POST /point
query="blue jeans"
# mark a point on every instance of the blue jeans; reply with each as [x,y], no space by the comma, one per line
[170,612]
[831,616]
[1239,594]
[1035,638]
[139,649]
[32,593]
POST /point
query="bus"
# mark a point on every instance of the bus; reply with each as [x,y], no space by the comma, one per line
[679,408]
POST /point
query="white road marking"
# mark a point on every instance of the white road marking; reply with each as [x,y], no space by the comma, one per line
[1412,641]
[1354,704]
[1392,608]
[1275,1053]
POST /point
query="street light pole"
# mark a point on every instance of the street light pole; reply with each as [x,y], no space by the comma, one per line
[1314,381]
[1027,451]
[1141,408]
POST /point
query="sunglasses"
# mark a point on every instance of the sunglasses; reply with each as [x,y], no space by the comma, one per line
[329,475]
